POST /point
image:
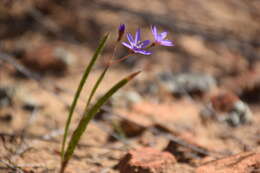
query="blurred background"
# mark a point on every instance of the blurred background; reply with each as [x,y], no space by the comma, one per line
[46,44]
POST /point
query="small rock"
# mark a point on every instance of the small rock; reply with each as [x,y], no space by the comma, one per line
[46,58]
[64,55]
[186,153]
[6,94]
[247,162]
[6,117]
[193,84]
[30,105]
[146,160]
[27,101]
[246,85]
[226,107]
[131,128]
[125,98]
[126,128]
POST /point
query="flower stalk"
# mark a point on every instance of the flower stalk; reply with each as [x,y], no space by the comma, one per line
[135,46]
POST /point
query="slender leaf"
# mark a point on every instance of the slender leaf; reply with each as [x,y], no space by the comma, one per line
[77,94]
[95,87]
[88,116]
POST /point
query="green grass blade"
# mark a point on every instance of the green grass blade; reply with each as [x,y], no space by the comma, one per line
[95,87]
[77,94]
[88,116]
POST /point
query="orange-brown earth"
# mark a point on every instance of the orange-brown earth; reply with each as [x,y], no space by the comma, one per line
[53,41]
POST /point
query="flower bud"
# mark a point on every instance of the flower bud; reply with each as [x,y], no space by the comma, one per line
[121,31]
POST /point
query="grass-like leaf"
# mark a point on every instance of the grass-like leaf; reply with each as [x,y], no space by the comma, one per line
[77,94]
[88,116]
[94,89]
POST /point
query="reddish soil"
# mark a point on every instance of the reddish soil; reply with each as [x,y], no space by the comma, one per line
[149,126]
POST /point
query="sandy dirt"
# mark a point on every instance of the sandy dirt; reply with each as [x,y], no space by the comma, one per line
[45,46]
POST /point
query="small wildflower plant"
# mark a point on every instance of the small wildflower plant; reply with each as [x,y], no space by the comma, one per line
[135,46]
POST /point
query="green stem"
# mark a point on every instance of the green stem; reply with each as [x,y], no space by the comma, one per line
[77,94]
[100,79]
[87,117]
[95,87]
[121,59]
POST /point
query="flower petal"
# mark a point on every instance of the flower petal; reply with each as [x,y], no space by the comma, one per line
[144,44]
[130,38]
[127,45]
[163,35]
[154,31]
[121,31]
[137,36]
[140,51]
[166,43]
[121,28]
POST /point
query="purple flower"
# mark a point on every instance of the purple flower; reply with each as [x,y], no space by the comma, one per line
[121,28]
[136,45]
[121,31]
[160,38]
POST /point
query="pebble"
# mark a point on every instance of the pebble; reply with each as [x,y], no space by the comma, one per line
[6,94]
[146,160]
[227,107]
[191,83]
